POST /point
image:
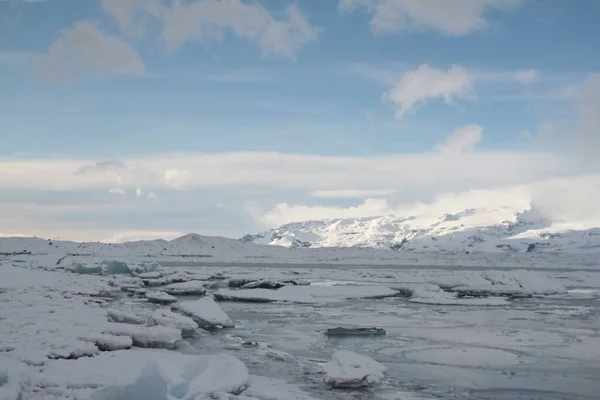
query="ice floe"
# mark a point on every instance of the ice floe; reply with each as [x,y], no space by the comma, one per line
[156,336]
[348,369]
[146,374]
[189,288]
[172,320]
[206,313]
[160,298]
[307,294]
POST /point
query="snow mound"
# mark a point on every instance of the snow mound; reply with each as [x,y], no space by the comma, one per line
[307,294]
[148,375]
[206,313]
[189,288]
[351,370]
[146,336]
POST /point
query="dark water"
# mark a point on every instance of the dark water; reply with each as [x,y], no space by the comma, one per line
[532,349]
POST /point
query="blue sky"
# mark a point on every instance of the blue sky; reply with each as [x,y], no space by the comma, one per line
[230,116]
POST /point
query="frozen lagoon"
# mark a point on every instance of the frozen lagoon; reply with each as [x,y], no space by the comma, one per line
[529,348]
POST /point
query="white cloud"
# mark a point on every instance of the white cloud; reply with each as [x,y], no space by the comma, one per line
[152,196]
[177,178]
[117,191]
[139,192]
[461,140]
[291,171]
[284,213]
[455,17]
[205,21]
[424,83]
[85,49]
[574,199]
[353,194]
[527,77]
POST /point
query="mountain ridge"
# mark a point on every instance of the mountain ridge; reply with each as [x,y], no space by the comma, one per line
[484,230]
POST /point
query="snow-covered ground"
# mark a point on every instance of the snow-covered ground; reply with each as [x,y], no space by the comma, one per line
[200,250]
[110,323]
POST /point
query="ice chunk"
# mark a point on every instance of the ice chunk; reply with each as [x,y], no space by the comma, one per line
[149,385]
[108,342]
[115,267]
[150,275]
[432,294]
[267,284]
[345,332]
[155,282]
[189,288]
[85,269]
[178,277]
[172,320]
[115,315]
[140,268]
[533,282]
[160,298]
[490,290]
[307,294]
[348,369]
[146,336]
[135,372]
[206,313]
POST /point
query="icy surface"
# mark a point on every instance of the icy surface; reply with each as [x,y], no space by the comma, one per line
[308,294]
[141,372]
[56,338]
[348,369]
[206,312]
[146,336]
[172,320]
[189,288]
[160,298]
[106,342]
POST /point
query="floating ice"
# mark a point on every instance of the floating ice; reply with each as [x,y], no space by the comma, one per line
[206,313]
[115,267]
[348,369]
[150,275]
[146,336]
[189,288]
[307,294]
[85,269]
[106,342]
[344,332]
[146,373]
[160,298]
[172,320]
[529,281]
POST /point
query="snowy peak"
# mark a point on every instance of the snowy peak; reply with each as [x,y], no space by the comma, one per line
[501,229]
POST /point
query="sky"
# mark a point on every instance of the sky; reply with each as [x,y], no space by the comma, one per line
[139,119]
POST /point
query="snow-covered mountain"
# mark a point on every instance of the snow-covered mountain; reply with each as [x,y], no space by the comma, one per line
[477,230]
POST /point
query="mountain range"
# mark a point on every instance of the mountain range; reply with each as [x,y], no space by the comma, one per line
[477,230]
